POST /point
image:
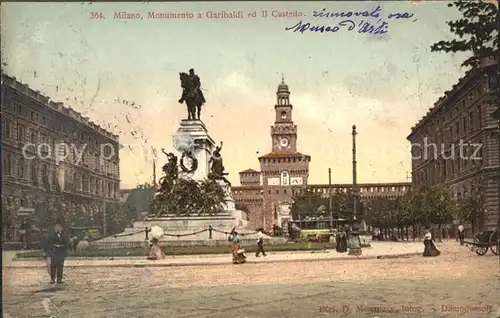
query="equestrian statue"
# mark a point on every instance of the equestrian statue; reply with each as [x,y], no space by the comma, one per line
[192,94]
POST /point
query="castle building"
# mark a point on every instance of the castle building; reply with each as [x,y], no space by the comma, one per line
[267,195]
[54,161]
[456,142]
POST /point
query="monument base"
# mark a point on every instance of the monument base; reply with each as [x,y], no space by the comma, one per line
[186,231]
[195,148]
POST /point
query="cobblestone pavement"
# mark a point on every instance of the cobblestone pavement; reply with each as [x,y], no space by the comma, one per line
[408,287]
[378,249]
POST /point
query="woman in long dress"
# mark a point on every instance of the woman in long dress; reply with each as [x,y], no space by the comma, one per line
[341,241]
[155,252]
[430,249]
[238,256]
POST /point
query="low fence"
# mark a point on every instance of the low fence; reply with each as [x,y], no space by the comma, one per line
[210,231]
[209,240]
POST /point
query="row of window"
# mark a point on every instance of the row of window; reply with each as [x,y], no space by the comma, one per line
[88,158]
[444,170]
[28,169]
[52,124]
[452,110]
[285,160]
[455,157]
[464,121]
[93,185]
[41,174]
[365,189]
[464,126]
[344,190]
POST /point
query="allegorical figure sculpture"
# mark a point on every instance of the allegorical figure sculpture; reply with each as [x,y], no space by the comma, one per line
[192,94]
[170,170]
[217,170]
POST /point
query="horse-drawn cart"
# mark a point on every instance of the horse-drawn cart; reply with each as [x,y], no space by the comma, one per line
[485,240]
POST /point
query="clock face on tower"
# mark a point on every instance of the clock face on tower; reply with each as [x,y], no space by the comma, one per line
[284,142]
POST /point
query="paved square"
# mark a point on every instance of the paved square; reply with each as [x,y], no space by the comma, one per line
[456,284]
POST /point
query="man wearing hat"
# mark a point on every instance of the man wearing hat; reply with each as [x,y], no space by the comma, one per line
[57,250]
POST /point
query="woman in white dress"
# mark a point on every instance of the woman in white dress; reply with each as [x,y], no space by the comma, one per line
[156,252]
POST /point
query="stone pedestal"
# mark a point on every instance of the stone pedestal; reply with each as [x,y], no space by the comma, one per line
[354,242]
[192,136]
[230,205]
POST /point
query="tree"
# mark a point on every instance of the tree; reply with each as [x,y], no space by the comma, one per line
[343,205]
[340,204]
[411,204]
[116,218]
[469,209]
[306,204]
[439,206]
[384,213]
[403,216]
[140,200]
[477,31]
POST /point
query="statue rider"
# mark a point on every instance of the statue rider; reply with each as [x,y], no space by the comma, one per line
[195,79]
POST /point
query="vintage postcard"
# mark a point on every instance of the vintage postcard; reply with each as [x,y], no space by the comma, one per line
[250,159]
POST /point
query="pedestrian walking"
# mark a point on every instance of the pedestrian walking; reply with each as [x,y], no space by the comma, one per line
[260,245]
[57,251]
[461,234]
[430,249]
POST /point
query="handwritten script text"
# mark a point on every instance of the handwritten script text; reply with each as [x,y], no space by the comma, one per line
[373,21]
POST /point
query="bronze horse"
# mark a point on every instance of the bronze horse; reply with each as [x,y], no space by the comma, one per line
[191,96]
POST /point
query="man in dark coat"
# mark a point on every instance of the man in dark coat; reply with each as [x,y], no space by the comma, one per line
[57,250]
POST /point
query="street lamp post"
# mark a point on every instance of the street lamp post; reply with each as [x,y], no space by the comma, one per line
[104,217]
[330,197]
[354,243]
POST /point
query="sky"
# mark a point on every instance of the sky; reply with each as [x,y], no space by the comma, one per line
[383,83]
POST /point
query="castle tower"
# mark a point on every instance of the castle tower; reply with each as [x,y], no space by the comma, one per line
[284,170]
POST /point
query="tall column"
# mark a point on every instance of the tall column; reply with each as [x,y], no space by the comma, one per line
[330,203]
[354,242]
[104,218]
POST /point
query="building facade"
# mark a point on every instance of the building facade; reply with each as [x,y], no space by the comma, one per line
[267,195]
[456,142]
[55,162]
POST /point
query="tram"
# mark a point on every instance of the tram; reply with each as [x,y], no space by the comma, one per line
[314,230]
